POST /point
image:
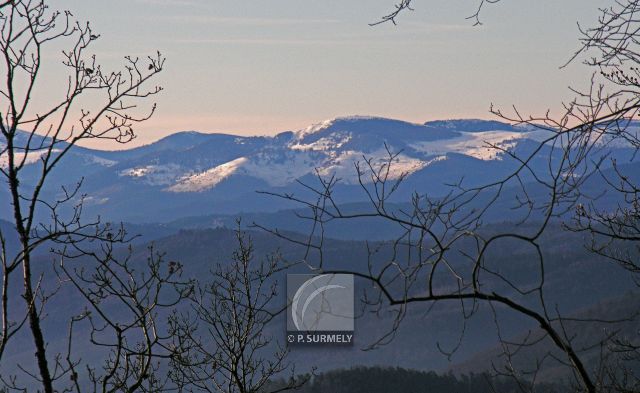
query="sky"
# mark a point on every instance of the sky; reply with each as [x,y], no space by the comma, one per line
[257,67]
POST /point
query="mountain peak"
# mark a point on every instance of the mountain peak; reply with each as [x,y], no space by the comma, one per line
[365,133]
[358,124]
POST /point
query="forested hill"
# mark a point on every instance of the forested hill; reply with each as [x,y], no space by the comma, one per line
[387,380]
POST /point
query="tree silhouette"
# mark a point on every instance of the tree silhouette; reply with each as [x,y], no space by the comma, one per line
[225,346]
[116,301]
[444,252]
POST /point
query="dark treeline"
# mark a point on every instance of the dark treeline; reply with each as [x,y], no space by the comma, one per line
[389,379]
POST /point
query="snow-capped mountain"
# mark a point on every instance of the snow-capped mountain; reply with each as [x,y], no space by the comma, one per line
[192,173]
[330,148]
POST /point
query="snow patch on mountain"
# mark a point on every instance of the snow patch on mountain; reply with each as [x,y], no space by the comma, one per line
[280,170]
[209,178]
[477,144]
[335,141]
[343,166]
[314,128]
[155,175]
[274,169]
[31,157]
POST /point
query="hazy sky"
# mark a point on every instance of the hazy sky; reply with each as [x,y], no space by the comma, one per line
[264,66]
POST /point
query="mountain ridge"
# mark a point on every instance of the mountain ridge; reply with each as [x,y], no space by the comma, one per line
[191,173]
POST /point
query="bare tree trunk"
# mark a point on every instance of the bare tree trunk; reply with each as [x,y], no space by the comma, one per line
[34,324]
[28,295]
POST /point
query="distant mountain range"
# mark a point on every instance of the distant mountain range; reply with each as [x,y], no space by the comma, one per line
[191,174]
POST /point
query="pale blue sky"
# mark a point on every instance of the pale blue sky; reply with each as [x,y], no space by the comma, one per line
[264,66]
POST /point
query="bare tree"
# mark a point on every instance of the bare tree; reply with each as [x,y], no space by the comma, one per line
[436,232]
[225,345]
[122,299]
[126,306]
[446,251]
